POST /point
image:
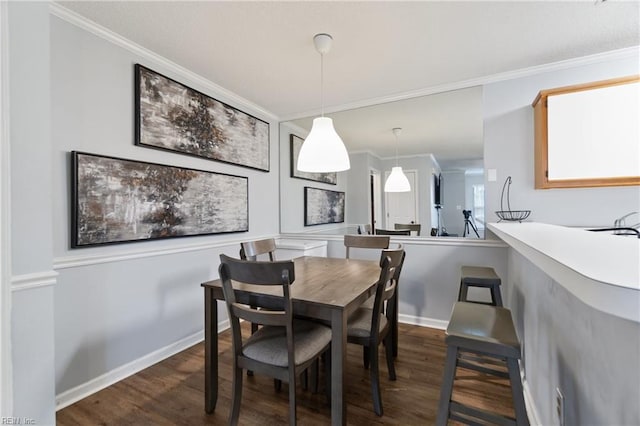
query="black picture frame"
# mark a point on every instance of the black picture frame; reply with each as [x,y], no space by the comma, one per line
[116,200]
[174,117]
[295,145]
[322,206]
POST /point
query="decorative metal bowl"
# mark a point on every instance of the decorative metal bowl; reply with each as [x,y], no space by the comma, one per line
[510,215]
[513,215]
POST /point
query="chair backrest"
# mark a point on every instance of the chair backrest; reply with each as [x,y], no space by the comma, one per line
[365,241]
[274,274]
[393,232]
[397,257]
[364,229]
[415,227]
[385,289]
[250,250]
[392,260]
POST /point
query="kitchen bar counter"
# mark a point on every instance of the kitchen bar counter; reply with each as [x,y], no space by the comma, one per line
[602,270]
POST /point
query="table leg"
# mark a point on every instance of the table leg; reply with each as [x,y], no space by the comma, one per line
[210,351]
[338,362]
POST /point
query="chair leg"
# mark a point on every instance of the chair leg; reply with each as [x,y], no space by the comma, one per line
[326,357]
[292,400]
[516,392]
[447,385]
[237,397]
[314,371]
[365,356]
[375,381]
[388,347]
[277,384]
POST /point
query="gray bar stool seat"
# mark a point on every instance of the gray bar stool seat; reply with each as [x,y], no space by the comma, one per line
[480,276]
[486,331]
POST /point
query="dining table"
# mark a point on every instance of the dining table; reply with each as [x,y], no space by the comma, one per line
[325,288]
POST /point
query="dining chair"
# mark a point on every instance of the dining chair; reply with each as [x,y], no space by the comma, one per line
[393,231]
[365,241]
[283,347]
[391,307]
[370,327]
[414,227]
[364,229]
[250,250]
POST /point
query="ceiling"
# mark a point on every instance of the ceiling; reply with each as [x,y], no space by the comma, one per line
[263,51]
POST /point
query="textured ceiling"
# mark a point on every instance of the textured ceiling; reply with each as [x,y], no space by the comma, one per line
[263,51]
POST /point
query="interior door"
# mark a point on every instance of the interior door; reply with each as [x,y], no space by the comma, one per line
[402,207]
[375,199]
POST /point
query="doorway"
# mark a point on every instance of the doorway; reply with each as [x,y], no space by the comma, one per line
[375,203]
[402,207]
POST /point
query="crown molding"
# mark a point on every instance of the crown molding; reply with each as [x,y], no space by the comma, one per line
[92,27]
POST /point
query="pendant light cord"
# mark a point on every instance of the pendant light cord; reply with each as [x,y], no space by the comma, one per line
[396,150]
[322,84]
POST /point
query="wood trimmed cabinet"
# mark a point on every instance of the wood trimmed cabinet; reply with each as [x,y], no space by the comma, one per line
[594,105]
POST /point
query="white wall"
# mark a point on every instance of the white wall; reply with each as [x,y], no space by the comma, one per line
[120,307]
[32,317]
[509,144]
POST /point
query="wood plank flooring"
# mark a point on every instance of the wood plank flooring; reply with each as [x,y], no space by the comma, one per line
[171,392]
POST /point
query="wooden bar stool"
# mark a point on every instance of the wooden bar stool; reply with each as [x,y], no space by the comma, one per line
[480,276]
[485,331]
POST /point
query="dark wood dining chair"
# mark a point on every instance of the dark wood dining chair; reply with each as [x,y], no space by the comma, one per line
[283,347]
[393,231]
[391,307]
[365,241]
[413,227]
[250,250]
[370,327]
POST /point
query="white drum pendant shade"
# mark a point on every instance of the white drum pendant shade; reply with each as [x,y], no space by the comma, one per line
[323,150]
[397,181]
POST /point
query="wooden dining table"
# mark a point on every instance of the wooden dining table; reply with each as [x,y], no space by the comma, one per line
[328,289]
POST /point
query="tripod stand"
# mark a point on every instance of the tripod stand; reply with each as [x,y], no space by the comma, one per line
[468,221]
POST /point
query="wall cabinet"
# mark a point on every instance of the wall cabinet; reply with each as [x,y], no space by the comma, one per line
[588,135]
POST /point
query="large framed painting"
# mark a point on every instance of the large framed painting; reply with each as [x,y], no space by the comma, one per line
[174,117]
[323,206]
[296,144]
[116,200]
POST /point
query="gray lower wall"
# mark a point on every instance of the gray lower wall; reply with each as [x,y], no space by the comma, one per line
[431,275]
[592,357]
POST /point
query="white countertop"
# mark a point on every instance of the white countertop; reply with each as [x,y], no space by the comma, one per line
[601,269]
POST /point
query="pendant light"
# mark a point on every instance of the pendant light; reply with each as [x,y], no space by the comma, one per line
[397,181]
[323,150]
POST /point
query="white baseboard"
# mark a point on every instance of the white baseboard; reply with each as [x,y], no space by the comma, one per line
[532,411]
[423,322]
[82,391]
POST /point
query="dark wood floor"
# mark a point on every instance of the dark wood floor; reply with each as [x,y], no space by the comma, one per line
[172,391]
